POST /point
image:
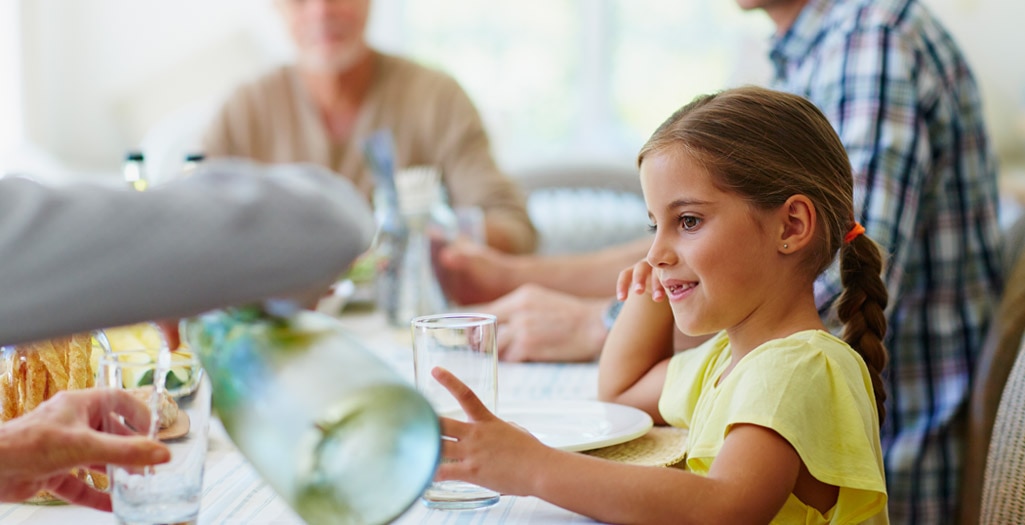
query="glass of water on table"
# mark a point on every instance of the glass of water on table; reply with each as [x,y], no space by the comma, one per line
[178,394]
[464,344]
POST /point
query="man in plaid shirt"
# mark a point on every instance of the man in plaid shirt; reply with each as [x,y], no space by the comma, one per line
[900,95]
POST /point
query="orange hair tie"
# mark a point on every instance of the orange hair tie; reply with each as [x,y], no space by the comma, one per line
[856,230]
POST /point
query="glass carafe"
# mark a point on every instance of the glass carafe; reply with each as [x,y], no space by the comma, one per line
[430,224]
[333,429]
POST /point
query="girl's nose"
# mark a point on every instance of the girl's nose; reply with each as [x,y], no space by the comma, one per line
[661,253]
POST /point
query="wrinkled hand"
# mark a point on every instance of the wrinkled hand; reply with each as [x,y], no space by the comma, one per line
[539,324]
[486,450]
[39,449]
[639,278]
[473,273]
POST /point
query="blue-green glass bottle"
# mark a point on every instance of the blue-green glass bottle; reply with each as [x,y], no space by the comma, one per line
[336,432]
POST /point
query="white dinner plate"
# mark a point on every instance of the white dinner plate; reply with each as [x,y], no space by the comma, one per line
[577,425]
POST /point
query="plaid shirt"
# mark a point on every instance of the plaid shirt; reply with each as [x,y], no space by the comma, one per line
[900,95]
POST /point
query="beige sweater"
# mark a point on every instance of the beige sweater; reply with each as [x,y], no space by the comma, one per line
[431,118]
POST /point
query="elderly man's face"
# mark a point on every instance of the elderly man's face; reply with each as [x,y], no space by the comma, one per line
[328,34]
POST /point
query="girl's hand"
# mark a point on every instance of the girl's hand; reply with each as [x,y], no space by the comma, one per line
[486,450]
[638,278]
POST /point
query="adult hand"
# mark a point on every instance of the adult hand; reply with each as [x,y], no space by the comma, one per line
[485,450]
[39,449]
[539,324]
[169,329]
[638,279]
[473,273]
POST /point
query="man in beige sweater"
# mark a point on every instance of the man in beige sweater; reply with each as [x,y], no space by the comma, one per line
[340,91]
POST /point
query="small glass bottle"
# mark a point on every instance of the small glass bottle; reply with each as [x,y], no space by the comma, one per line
[430,224]
[390,238]
[134,171]
[192,161]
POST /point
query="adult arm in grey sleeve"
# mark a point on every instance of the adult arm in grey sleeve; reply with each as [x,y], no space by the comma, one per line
[80,257]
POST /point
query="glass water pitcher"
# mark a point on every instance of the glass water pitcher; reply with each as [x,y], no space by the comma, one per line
[333,429]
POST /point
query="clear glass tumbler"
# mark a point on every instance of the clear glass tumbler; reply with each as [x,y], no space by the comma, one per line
[170,492]
[464,344]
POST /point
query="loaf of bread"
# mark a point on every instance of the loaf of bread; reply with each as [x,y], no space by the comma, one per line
[31,373]
[167,411]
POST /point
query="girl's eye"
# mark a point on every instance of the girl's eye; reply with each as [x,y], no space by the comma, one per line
[689,222]
[652,228]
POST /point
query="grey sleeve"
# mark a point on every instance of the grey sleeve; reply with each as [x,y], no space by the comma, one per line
[80,257]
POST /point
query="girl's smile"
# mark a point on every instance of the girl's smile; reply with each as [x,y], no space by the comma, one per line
[677,290]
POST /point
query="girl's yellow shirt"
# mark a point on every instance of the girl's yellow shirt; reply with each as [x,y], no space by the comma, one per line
[812,389]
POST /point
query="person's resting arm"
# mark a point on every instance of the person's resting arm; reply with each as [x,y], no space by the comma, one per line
[476,274]
[81,257]
[633,362]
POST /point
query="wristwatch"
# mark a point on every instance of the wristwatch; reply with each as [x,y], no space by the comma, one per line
[608,318]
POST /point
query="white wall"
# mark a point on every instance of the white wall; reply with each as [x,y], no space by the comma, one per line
[99,73]
[10,60]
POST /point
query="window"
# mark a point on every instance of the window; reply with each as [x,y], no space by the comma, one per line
[574,79]
[10,78]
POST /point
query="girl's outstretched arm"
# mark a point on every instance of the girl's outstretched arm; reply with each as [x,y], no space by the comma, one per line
[750,480]
[633,362]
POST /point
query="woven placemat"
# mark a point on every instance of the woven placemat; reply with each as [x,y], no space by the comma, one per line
[660,447]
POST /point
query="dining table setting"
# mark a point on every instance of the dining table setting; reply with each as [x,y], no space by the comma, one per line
[557,402]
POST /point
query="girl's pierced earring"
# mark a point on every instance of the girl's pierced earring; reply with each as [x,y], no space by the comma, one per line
[786,246]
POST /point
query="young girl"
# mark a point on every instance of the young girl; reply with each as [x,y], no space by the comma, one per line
[750,193]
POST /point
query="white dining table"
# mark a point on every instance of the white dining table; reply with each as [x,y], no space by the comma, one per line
[233,493]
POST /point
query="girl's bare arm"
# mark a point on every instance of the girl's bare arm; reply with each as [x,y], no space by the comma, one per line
[633,361]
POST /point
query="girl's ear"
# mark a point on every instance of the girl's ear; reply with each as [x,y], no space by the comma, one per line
[798,224]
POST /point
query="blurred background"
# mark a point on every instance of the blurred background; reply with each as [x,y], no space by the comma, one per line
[557,81]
